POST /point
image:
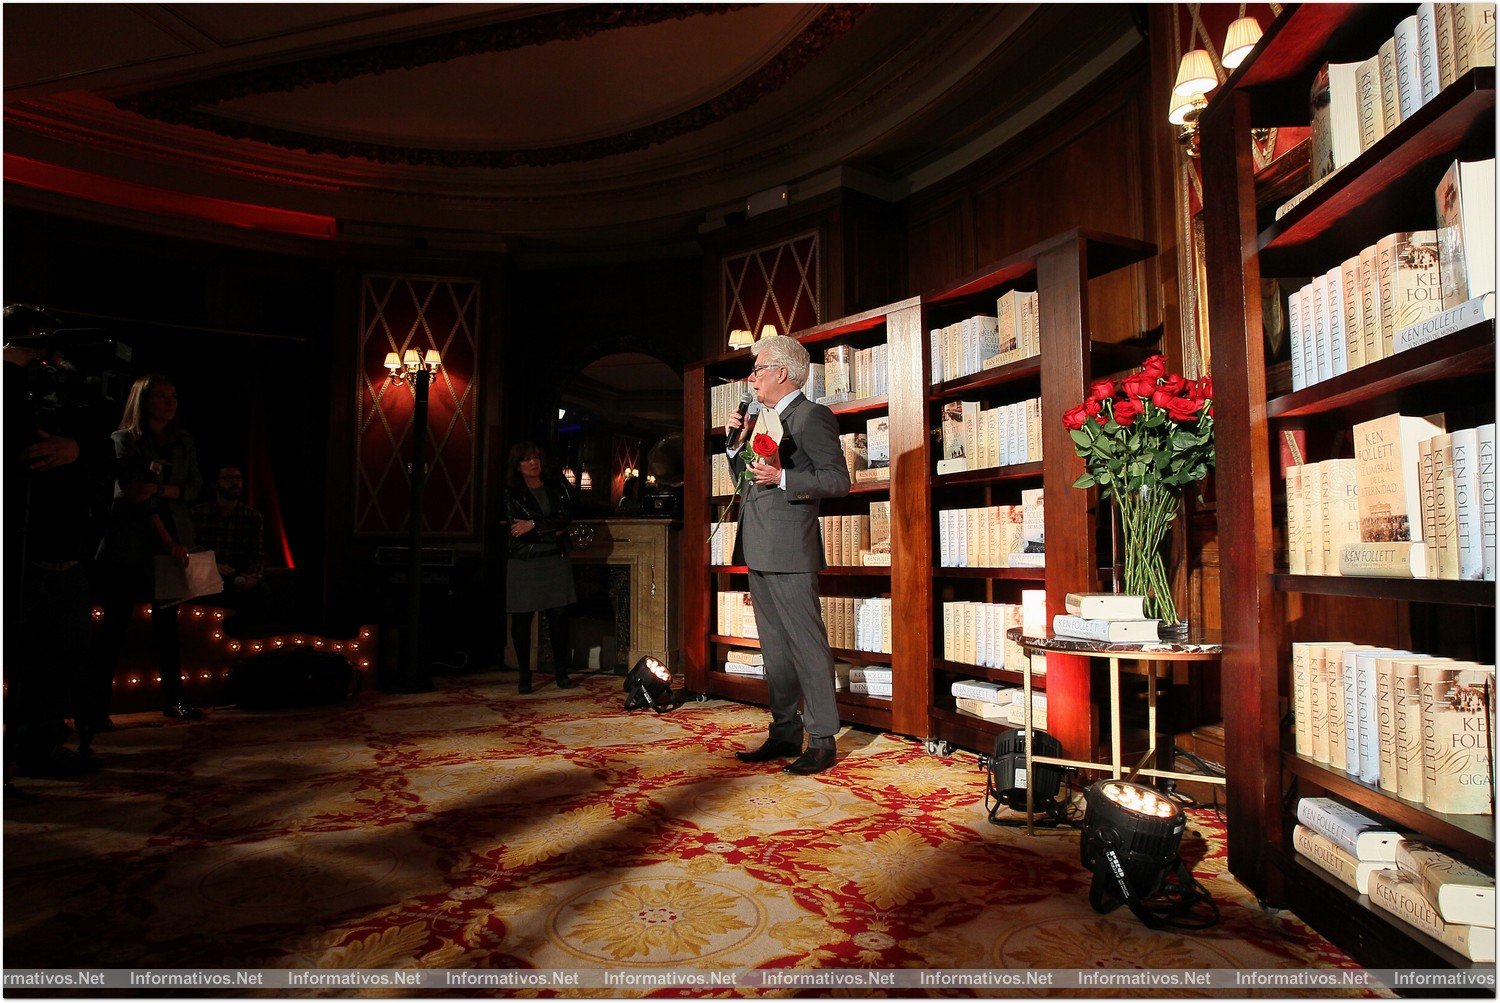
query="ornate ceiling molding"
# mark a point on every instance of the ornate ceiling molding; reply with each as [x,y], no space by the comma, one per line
[184,104]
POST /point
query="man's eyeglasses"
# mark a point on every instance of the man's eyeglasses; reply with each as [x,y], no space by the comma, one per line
[756,369]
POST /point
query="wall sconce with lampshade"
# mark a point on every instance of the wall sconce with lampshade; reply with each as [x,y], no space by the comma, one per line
[1196,76]
[741,337]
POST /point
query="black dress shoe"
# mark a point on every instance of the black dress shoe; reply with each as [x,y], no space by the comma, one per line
[810,762]
[566,682]
[772,749]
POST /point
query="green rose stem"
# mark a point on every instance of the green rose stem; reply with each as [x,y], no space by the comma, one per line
[1145,517]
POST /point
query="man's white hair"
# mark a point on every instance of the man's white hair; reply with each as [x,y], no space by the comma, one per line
[780,350]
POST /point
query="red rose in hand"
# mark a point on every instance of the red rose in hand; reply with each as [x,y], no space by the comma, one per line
[1155,367]
[1101,390]
[1140,385]
[1127,411]
[1075,417]
[1174,383]
[1184,408]
[1202,389]
[763,445]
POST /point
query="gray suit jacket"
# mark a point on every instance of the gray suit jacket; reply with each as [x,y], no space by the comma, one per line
[779,529]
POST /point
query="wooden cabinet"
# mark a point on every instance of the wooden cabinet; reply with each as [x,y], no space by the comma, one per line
[1388,188]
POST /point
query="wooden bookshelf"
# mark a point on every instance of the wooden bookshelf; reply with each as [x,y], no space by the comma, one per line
[1058,270]
[1388,188]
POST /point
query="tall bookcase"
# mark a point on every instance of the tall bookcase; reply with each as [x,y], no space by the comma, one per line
[1388,188]
[1059,269]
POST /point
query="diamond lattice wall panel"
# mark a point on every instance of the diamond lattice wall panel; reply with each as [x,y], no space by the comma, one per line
[398,312]
[780,284]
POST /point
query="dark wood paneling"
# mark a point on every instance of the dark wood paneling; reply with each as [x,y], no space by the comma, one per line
[1050,178]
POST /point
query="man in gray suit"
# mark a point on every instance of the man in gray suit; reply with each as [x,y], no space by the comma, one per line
[783,549]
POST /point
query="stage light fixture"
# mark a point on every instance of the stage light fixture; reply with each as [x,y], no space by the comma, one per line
[649,684]
[1131,839]
[1005,786]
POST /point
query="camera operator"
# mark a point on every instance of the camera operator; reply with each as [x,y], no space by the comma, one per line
[47,538]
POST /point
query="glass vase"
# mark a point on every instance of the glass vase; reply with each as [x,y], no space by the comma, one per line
[1145,518]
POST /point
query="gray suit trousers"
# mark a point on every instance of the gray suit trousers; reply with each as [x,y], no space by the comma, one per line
[797,657]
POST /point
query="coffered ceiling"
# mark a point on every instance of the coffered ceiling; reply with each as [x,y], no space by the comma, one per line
[532,127]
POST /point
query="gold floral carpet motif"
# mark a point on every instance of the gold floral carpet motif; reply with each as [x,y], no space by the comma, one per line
[473,827]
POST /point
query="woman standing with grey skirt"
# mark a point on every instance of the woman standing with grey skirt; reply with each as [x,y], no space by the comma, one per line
[538,574]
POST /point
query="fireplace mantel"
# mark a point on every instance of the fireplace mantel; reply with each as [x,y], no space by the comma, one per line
[649,548]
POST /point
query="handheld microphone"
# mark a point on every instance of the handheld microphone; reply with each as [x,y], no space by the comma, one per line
[742,410]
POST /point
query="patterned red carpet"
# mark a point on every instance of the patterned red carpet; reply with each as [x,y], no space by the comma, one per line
[473,827]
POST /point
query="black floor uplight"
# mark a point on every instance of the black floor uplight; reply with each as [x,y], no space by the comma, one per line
[1131,838]
[649,684]
[1005,786]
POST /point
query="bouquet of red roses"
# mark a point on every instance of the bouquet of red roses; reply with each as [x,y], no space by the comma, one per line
[1142,441]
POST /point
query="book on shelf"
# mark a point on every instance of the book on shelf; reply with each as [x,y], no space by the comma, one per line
[1473,36]
[1335,860]
[1372,349]
[1400,894]
[1349,296]
[1338,343]
[1427,51]
[838,374]
[982,709]
[1486,476]
[1109,631]
[877,449]
[1362,712]
[1444,323]
[1466,506]
[742,669]
[1402,559]
[1038,710]
[1465,204]
[1335,118]
[1295,338]
[743,657]
[1444,543]
[1105,605]
[1416,288]
[871,688]
[982,690]
[1459,893]
[1409,67]
[855,446]
[1386,455]
[879,551]
[1371,109]
[1457,737]
[1443,22]
[816,386]
[1386,709]
[1356,833]
[1390,99]
[1407,690]
[1033,516]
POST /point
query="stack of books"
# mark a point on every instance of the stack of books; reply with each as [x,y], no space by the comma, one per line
[1449,901]
[983,699]
[745,663]
[1105,616]
[1343,842]
[870,680]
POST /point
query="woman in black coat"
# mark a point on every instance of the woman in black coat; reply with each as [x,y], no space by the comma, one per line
[538,574]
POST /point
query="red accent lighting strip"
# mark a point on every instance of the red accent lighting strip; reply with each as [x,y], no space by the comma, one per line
[130,195]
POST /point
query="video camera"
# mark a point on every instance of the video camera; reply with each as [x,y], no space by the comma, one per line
[74,368]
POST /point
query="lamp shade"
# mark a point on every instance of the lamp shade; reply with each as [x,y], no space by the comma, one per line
[1196,74]
[1183,108]
[411,358]
[1243,34]
[434,358]
[768,331]
[741,338]
[392,361]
